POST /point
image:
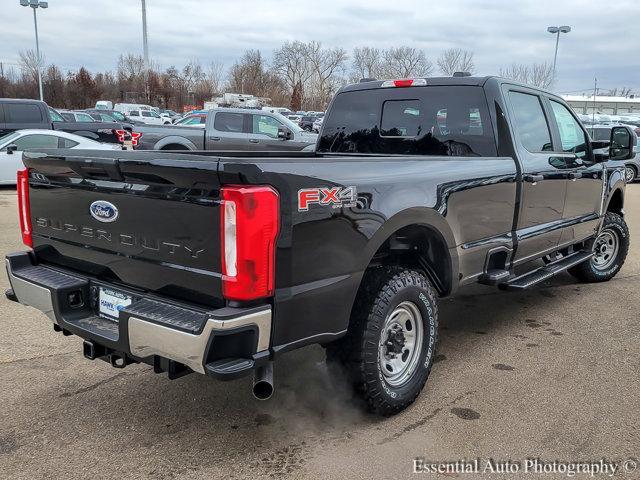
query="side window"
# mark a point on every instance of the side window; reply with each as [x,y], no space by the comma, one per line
[68,117]
[23,113]
[228,122]
[133,113]
[36,141]
[531,123]
[66,143]
[55,116]
[571,135]
[146,114]
[400,118]
[266,125]
[83,117]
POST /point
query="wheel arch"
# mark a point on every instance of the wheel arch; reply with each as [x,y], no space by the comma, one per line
[174,140]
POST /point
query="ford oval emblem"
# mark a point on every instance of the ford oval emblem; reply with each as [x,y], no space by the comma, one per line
[104,211]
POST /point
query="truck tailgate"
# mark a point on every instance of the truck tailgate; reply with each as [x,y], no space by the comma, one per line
[143,222]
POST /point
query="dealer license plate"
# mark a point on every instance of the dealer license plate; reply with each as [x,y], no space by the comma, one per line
[111,302]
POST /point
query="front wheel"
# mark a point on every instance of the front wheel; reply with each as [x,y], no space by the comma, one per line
[609,251]
[629,173]
[389,350]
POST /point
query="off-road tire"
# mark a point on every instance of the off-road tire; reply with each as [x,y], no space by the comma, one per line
[383,289]
[587,271]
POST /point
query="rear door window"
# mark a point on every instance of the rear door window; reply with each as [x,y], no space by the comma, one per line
[229,122]
[23,113]
[531,123]
[36,141]
[433,120]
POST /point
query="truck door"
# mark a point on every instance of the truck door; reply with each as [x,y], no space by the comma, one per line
[263,134]
[544,183]
[584,176]
[226,131]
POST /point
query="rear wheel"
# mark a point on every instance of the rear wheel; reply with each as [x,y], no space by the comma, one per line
[389,350]
[609,251]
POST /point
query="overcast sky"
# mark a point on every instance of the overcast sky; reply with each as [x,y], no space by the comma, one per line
[604,42]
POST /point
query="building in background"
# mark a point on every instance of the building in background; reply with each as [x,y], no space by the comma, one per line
[585,104]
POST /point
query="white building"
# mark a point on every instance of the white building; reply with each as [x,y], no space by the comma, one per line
[603,104]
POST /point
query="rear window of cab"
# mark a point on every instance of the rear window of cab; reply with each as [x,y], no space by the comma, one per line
[447,121]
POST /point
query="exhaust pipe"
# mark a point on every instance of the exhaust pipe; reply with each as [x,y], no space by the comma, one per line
[263,382]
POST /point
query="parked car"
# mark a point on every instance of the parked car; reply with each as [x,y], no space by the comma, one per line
[294,118]
[229,129]
[103,115]
[306,122]
[148,117]
[71,116]
[173,116]
[104,105]
[281,110]
[317,124]
[219,264]
[13,144]
[603,133]
[193,120]
[127,107]
[20,114]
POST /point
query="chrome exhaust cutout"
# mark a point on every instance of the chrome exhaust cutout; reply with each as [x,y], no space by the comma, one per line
[263,382]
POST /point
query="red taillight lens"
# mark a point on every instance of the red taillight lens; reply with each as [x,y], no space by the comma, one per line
[135,136]
[405,82]
[24,208]
[121,135]
[250,225]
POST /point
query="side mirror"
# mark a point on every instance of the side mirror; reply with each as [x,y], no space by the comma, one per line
[284,133]
[12,148]
[623,141]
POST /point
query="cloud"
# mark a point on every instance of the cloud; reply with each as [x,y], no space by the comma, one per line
[94,33]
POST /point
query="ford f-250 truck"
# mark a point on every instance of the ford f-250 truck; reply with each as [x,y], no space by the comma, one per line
[229,129]
[218,264]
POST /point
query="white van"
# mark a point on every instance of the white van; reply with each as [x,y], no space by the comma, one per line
[104,105]
[127,107]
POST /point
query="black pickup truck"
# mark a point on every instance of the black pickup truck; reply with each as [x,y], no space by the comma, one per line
[20,114]
[219,263]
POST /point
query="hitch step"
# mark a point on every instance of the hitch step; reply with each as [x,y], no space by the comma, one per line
[229,368]
[541,274]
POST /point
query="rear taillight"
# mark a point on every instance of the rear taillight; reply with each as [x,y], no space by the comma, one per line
[124,135]
[135,136]
[24,209]
[250,224]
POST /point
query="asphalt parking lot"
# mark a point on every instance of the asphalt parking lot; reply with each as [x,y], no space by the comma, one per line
[551,373]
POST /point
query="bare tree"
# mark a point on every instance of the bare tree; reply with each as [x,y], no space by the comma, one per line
[30,63]
[214,77]
[455,60]
[327,67]
[405,62]
[542,75]
[291,63]
[537,74]
[367,62]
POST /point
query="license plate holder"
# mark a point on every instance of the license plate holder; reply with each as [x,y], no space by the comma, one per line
[110,302]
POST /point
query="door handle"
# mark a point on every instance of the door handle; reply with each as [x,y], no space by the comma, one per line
[215,139]
[533,178]
[575,175]
[253,140]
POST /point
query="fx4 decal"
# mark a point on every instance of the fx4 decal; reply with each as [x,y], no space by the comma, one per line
[334,197]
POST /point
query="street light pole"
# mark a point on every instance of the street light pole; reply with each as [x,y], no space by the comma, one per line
[35,24]
[557,31]
[145,42]
[35,4]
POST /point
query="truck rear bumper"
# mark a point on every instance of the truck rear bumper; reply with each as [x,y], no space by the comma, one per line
[225,343]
